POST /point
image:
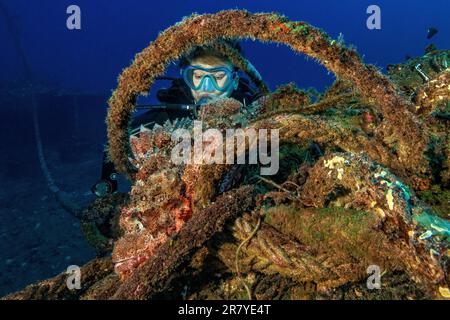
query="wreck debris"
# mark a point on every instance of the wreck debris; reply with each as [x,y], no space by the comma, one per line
[155,275]
[57,289]
[330,254]
[345,202]
[301,129]
[433,94]
[244,242]
[422,74]
[407,79]
[373,189]
[375,220]
[399,129]
[100,222]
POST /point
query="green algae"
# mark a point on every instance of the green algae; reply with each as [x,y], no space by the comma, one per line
[438,199]
[322,224]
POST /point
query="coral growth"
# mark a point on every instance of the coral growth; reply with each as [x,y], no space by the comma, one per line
[433,94]
[92,274]
[389,225]
[399,129]
[361,171]
[100,223]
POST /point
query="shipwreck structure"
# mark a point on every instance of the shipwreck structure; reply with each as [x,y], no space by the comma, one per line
[363,181]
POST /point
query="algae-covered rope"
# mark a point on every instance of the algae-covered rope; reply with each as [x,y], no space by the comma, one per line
[60,195]
[238,272]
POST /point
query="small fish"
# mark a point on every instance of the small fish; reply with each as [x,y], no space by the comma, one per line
[431,32]
[408,57]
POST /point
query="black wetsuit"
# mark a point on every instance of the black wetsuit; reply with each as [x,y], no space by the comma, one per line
[178,93]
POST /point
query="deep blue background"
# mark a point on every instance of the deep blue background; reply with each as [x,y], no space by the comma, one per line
[113,31]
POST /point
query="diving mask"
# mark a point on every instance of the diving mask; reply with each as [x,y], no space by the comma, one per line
[209,79]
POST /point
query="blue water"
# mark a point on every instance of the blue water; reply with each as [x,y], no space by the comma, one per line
[113,31]
[37,238]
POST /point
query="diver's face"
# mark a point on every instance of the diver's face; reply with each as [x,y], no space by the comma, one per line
[220,77]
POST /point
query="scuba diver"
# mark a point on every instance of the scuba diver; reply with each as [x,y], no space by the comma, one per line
[207,75]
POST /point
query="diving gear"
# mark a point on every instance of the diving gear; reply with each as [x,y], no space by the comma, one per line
[108,180]
[176,102]
[167,106]
[209,79]
[180,93]
[188,109]
[102,188]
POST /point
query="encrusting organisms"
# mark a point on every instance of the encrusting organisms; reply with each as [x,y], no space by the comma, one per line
[399,128]
[344,199]
[398,142]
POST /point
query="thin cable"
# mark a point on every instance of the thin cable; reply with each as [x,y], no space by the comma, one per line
[249,292]
[62,197]
[50,182]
